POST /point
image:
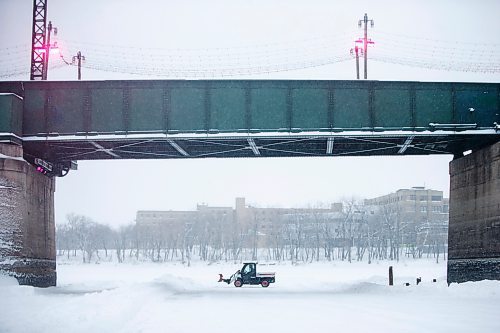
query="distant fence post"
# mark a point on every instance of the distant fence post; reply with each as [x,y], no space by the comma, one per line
[391,277]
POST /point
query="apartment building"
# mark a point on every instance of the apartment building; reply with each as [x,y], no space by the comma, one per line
[419,213]
[244,219]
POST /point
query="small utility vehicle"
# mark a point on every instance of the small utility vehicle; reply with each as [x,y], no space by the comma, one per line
[248,275]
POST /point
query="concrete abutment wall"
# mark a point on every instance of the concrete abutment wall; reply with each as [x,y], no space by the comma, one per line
[27,226]
[474,230]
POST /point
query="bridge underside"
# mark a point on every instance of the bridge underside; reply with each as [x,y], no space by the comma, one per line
[158,146]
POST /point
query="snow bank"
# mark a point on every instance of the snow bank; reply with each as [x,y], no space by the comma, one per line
[324,296]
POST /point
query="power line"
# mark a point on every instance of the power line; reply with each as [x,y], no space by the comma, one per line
[403,37]
[266,58]
[280,44]
[219,72]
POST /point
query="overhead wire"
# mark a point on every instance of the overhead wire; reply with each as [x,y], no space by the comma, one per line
[251,47]
[265,58]
[219,54]
[404,37]
[436,54]
[210,61]
[219,65]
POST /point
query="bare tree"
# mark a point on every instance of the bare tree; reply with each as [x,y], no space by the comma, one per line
[86,232]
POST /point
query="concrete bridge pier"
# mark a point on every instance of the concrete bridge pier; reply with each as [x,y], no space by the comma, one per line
[474,229]
[27,226]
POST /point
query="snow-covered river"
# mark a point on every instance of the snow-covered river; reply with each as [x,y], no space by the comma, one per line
[326,297]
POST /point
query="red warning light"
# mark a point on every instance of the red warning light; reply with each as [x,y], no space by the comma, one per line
[43,166]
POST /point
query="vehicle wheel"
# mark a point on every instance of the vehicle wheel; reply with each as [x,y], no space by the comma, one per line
[238,283]
[265,283]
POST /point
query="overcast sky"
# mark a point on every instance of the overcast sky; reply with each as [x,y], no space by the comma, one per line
[112,191]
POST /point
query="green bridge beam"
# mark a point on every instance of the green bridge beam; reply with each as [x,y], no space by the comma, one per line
[326,117]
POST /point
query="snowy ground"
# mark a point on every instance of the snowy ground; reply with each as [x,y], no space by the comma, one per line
[330,297]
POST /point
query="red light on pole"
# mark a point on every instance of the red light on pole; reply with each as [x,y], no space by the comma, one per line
[360,51]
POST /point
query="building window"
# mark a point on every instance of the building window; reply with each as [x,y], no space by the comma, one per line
[423,209]
[436,198]
[436,209]
[445,208]
[412,197]
[422,198]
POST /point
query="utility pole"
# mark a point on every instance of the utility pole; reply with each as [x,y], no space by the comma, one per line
[78,59]
[357,62]
[48,46]
[356,51]
[365,21]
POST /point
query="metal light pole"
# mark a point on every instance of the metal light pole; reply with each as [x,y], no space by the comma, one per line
[365,21]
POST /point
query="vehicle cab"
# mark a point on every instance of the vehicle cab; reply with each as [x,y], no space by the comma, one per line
[248,273]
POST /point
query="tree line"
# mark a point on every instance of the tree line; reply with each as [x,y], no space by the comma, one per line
[353,235]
